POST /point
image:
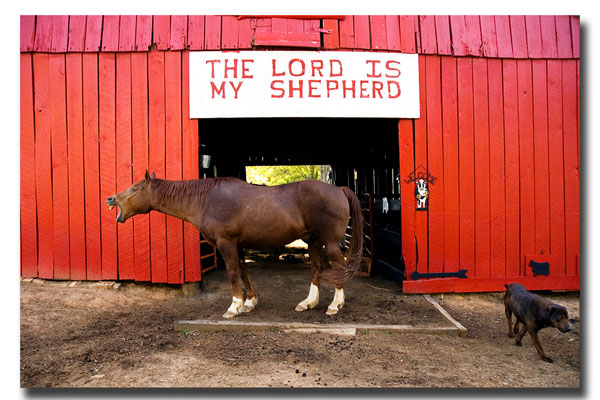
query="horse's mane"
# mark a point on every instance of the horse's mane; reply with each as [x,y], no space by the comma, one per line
[190,193]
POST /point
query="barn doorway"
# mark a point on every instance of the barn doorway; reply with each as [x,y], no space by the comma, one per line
[362,154]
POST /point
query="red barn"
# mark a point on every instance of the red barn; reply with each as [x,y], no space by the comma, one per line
[496,143]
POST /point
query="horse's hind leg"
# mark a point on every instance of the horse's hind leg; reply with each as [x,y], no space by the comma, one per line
[315,248]
[229,251]
[251,297]
[335,257]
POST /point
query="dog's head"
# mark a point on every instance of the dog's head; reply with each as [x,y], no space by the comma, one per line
[558,317]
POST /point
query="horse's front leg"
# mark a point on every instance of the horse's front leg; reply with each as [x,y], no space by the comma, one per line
[229,251]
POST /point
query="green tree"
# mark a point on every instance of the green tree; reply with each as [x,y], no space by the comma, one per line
[271,175]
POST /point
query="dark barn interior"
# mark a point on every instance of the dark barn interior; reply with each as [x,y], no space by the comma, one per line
[363,154]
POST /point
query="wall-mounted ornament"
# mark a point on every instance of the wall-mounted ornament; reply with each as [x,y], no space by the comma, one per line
[422,195]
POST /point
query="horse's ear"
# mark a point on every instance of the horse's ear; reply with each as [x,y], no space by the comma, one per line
[147,176]
[153,176]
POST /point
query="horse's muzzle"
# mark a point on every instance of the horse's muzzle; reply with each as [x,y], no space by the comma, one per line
[111,202]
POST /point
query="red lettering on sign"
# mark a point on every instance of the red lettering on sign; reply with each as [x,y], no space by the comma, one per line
[373,74]
[230,68]
[363,90]
[377,87]
[339,66]
[274,67]
[332,85]
[293,89]
[317,66]
[349,89]
[311,88]
[390,68]
[220,90]
[236,89]
[212,64]
[246,69]
[302,67]
[277,88]
[397,85]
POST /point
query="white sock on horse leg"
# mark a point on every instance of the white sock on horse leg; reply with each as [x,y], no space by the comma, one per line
[234,308]
[337,303]
[311,301]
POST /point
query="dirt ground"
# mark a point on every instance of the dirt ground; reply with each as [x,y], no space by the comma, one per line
[83,336]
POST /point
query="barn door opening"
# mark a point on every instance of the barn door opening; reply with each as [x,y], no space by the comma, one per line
[363,154]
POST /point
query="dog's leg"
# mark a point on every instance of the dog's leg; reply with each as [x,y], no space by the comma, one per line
[520,335]
[538,346]
[509,319]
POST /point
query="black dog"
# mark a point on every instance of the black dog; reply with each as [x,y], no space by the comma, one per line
[535,313]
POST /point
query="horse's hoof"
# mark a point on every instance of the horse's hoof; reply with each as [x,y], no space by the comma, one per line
[332,310]
[301,308]
[229,314]
[249,304]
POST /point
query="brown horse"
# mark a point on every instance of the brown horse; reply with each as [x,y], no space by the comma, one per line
[233,215]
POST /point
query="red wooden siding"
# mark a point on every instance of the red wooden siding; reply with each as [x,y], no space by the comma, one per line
[103,96]
[509,162]
[514,36]
[91,124]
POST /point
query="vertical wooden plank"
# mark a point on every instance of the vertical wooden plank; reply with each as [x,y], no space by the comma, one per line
[60,166]
[93,33]
[548,31]
[497,176]
[541,167]
[123,143]
[27,33]
[143,32]
[556,160]
[407,34]
[392,32]
[173,168]
[191,235]
[139,126]
[518,35]
[74,74]
[245,33]
[230,32]
[110,33]
[43,166]
[428,38]
[43,34]
[442,33]
[460,45]
[488,36]
[76,33]
[178,37]
[503,37]
[60,33]
[156,159]
[473,35]
[407,191]
[331,41]
[563,36]
[527,171]
[212,32]
[127,33]
[362,32]
[161,31]
[575,35]
[347,32]
[420,149]
[435,163]
[534,36]
[511,159]
[451,180]
[91,160]
[466,165]
[570,117]
[483,189]
[107,137]
[378,32]
[196,32]
[29,251]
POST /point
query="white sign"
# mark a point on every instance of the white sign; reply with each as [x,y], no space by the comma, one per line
[303,84]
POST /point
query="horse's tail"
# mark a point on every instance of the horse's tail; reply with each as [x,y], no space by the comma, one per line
[341,274]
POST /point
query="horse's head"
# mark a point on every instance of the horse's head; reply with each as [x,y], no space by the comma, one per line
[135,200]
